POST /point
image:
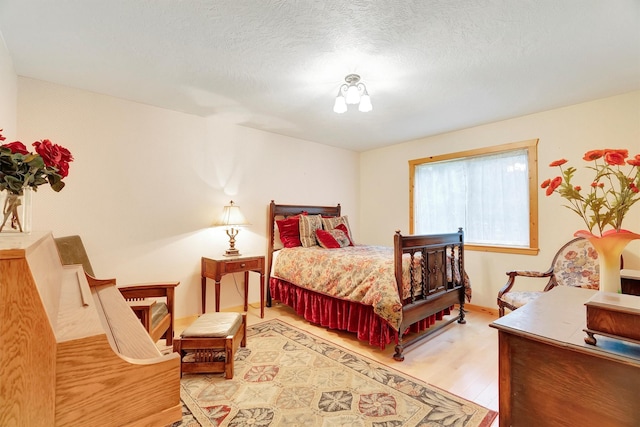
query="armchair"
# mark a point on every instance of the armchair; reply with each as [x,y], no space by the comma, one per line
[575,264]
[152,302]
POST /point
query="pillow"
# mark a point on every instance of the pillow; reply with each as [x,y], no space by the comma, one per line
[343,228]
[332,239]
[308,226]
[289,229]
[331,223]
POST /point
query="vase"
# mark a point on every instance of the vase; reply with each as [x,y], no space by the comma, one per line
[16,212]
[609,247]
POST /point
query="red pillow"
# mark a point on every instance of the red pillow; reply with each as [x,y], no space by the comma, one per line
[343,228]
[332,239]
[289,229]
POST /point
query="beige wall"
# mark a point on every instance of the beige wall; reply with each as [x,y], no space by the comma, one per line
[147,183]
[8,93]
[564,133]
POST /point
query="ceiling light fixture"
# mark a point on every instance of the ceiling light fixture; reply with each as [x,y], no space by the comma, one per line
[352,92]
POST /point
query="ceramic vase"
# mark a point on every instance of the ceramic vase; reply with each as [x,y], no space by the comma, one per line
[609,247]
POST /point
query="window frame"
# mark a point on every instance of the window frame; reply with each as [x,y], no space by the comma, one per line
[531,145]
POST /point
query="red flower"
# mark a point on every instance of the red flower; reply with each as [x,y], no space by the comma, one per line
[635,161]
[577,188]
[616,157]
[545,183]
[2,138]
[17,147]
[558,162]
[54,156]
[555,183]
[593,155]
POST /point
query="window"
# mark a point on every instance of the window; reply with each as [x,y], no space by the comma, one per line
[491,193]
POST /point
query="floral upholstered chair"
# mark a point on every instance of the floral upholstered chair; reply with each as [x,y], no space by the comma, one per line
[575,264]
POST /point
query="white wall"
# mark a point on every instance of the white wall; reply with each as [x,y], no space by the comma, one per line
[8,93]
[147,183]
[564,133]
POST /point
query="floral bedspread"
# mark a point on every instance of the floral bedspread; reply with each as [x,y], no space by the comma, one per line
[360,273]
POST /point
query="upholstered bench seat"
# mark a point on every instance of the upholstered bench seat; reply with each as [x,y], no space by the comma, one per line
[209,344]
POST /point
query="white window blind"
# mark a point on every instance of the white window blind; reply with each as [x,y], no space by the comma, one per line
[487,195]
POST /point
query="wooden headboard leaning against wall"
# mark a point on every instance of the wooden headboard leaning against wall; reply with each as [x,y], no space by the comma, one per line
[284,211]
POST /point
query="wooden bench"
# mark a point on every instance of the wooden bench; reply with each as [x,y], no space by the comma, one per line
[74,354]
[209,344]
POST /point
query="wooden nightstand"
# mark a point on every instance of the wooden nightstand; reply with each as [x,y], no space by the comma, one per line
[630,281]
[215,268]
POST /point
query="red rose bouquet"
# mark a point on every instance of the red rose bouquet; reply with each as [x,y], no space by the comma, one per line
[20,169]
[608,198]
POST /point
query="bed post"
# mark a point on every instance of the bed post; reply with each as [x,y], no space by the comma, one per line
[461,312]
[270,237]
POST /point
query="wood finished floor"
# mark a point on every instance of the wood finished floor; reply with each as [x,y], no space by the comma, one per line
[461,359]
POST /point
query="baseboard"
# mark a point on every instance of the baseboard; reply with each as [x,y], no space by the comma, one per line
[481,309]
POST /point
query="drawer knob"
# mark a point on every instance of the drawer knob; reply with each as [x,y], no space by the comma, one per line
[242,265]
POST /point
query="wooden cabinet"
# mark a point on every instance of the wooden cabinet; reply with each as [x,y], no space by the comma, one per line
[72,354]
[215,268]
[549,376]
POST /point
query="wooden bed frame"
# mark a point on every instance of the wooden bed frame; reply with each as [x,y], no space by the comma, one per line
[436,293]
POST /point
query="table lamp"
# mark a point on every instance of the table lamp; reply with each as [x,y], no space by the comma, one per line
[232,218]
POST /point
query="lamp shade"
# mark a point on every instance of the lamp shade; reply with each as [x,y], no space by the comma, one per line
[353,95]
[365,103]
[340,105]
[231,216]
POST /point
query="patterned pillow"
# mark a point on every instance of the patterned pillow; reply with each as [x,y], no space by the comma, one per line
[332,222]
[308,226]
[332,239]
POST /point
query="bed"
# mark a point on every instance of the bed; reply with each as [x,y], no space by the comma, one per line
[395,294]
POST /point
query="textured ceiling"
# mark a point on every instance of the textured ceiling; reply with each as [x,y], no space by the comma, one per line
[430,66]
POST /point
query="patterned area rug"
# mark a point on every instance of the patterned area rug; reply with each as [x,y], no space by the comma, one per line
[289,377]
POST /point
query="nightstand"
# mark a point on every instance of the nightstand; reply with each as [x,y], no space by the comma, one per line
[630,281]
[215,268]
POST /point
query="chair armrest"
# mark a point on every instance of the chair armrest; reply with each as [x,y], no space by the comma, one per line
[142,305]
[524,273]
[148,290]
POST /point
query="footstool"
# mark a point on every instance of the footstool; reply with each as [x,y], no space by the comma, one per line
[209,344]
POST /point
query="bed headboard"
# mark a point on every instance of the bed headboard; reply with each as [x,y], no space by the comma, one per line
[283,211]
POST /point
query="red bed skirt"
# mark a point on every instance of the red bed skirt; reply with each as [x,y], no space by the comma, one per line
[343,315]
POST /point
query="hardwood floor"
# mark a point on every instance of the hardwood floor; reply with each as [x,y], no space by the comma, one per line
[461,359]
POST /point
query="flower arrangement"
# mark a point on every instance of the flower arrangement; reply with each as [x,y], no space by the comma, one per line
[608,197]
[20,169]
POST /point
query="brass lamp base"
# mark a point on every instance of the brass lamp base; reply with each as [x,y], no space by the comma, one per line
[232,251]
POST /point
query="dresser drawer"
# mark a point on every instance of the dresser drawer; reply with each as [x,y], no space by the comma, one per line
[242,265]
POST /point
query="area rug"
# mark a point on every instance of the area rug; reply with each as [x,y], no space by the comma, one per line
[289,377]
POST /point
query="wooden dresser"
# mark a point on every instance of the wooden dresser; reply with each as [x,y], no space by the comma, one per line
[548,375]
[72,355]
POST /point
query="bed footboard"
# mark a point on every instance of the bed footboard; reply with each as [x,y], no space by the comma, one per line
[436,281]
